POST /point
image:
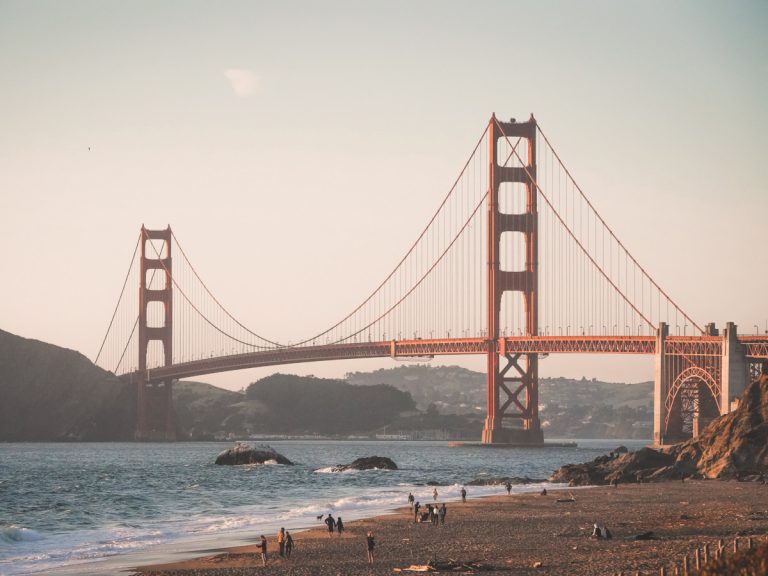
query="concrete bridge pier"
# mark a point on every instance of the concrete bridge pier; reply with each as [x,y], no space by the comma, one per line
[715,385]
[735,370]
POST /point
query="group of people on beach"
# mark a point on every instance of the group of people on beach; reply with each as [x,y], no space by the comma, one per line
[285,543]
[434,514]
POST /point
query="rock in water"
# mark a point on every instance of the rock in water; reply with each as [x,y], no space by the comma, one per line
[247,454]
[368,463]
[373,463]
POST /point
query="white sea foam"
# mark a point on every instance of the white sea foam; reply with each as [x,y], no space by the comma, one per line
[336,470]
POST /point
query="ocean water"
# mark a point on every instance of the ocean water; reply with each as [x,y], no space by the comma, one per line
[100,508]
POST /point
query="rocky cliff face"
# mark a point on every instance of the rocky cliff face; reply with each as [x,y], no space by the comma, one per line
[732,446]
[735,444]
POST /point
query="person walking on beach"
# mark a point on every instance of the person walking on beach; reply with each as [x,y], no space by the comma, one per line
[416,512]
[434,494]
[288,544]
[330,522]
[442,512]
[281,542]
[434,515]
[463,494]
[370,543]
[410,499]
[508,486]
[339,525]
[263,550]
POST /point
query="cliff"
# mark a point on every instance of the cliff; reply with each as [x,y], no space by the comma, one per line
[734,445]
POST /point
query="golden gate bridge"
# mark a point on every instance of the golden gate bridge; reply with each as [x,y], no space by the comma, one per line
[514,264]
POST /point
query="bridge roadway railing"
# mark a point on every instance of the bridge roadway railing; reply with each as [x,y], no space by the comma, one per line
[756,347]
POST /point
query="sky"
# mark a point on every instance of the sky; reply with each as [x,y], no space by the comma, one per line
[298,148]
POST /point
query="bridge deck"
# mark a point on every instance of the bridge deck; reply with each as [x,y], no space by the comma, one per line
[756,347]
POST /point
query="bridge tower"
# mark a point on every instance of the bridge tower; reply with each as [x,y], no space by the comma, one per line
[519,378]
[154,414]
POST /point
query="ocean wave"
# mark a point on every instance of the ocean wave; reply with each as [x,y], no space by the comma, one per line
[338,470]
[13,533]
[333,470]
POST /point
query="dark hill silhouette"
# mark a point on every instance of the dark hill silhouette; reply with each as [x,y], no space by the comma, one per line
[303,404]
[51,393]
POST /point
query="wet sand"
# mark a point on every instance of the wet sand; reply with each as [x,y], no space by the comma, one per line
[513,534]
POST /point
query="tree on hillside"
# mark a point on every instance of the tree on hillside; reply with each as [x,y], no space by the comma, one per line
[303,404]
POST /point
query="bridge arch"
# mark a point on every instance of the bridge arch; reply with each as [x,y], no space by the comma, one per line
[684,398]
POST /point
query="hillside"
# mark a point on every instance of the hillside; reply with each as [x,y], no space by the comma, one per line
[307,404]
[569,408]
[49,393]
[52,393]
[287,404]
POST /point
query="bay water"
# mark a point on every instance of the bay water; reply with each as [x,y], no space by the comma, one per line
[100,508]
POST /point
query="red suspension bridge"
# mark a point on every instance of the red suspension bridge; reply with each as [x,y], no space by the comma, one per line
[515,263]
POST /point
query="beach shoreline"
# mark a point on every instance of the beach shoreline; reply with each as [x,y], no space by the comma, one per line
[521,533]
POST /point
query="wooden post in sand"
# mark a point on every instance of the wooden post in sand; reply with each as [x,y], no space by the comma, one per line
[749,543]
[706,553]
[735,545]
[663,572]
[685,565]
[697,559]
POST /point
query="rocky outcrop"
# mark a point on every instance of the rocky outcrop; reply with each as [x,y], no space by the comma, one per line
[247,454]
[373,463]
[367,463]
[513,480]
[732,446]
[631,467]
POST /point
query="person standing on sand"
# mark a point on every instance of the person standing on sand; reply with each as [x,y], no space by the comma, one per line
[339,525]
[370,543]
[463,494]
[263,550]
[410,499]
[416,512]
[434,494]
[442,512]
[281,542]
[508,486]
[288,544]
[330,522]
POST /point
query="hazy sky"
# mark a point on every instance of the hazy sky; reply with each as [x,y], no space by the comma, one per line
[292,140]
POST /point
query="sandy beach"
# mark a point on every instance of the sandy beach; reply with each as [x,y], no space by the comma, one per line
[521,534]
